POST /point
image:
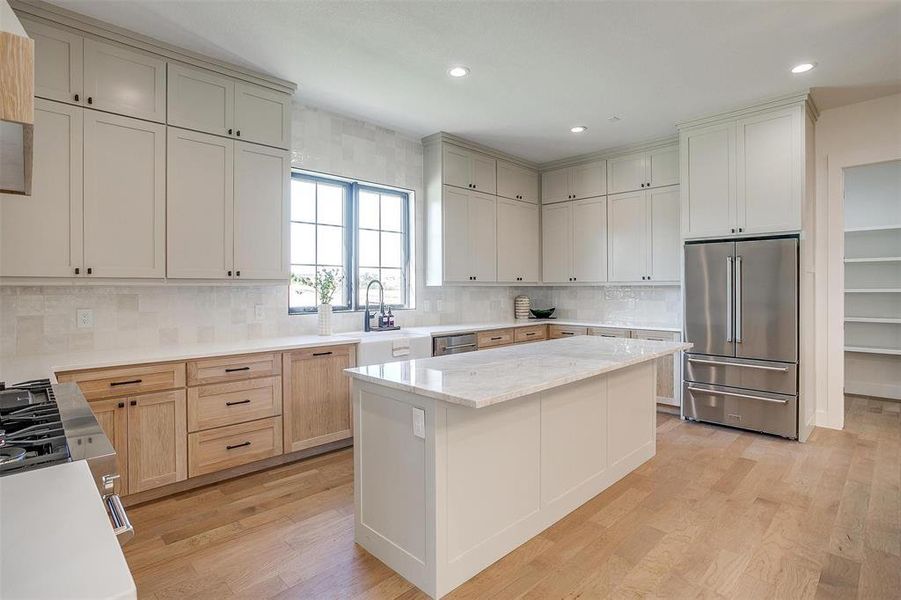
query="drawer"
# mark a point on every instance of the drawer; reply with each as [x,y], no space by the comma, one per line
[609,332]
[234,445]
[562,331]
[233,402]
[533,333]
[498,337]
[231,368]
[780,378]
[321,351]
[757,411]
[97,384]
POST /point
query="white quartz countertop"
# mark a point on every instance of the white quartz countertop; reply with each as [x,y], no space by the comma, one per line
[434,330]
[57,541]
[487,377]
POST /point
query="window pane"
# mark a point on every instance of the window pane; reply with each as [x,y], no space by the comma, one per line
[301,296]
[330,204]
[329,245]
[392,279]
[339,299]
[303,200]
[392,249]
[392,213]
[303,243]
[367,275]
[369,210]
[368,252]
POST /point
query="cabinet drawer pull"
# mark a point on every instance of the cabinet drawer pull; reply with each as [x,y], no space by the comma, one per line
[233,369]
[238,402]
[241,445]
[129,382]
[494,339]
[567,333]
[322,353]
[530,333]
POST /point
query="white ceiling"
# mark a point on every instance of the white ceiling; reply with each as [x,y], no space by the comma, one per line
[537,67]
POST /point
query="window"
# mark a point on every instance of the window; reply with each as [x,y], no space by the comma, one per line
[361,230]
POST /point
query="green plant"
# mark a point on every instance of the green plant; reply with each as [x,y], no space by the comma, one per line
[325,283]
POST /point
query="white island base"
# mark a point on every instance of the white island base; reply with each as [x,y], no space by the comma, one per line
[440,508]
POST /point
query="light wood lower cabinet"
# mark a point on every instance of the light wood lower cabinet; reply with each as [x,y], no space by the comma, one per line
[227,447]
[115,382]
[561,331]
[535,333]
[113,418]
[232,368]
[316,399]
[157,436]
[233,402]
[497,337]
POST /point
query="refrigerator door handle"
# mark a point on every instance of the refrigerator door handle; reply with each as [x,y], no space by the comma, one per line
[738,299]
[728,298]
[732,364]
[698,390]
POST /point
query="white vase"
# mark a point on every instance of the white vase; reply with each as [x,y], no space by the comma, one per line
[325,319]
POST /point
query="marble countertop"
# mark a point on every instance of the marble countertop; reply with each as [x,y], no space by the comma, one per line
[56,512]
[487,377]
[434,330]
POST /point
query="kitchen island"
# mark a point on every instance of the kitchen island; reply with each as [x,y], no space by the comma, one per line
[460,459]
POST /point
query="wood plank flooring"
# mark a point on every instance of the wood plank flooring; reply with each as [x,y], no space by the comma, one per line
[718,513]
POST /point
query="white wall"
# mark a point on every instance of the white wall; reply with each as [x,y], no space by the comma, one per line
[857,134]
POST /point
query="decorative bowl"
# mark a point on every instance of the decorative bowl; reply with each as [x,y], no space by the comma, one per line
[542,313]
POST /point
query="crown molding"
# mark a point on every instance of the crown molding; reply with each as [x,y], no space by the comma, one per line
[763,105]
[613,152]
[50,13]
[443,136]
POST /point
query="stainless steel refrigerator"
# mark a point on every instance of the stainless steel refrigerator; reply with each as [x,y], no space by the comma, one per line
[741,314]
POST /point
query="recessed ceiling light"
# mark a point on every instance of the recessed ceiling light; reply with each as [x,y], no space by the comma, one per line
[578,129]
[613,119]
[803,68]
[458,71]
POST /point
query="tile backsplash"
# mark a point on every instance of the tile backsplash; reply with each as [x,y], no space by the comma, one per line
[42,319]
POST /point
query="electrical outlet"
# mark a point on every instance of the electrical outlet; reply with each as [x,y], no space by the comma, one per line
[258,312]
[84,318]
[418,422]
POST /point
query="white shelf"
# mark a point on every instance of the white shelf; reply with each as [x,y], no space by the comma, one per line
[877,259]
[872,228]
[869,350]
[871,320]
[873,291]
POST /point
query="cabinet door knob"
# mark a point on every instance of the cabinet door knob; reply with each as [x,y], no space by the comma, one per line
[229,273]
[121,405]
[229,131]
[237,273]
[77,270]
[238,133]
[90,100]
[133,403]
[90,271]
[76,97]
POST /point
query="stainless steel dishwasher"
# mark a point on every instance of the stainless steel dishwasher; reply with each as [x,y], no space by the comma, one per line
[454,344]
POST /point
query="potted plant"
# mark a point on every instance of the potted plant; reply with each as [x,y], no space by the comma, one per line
[324,284]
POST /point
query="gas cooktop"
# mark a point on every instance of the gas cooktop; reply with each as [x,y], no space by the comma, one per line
[31,429]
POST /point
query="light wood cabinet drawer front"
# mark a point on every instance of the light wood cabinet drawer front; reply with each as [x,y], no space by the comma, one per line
[562,331]
[498,337]
[609,332]
[231,368]
[322,352]
[226,447]
[531,334]
[233,402]
[97,384]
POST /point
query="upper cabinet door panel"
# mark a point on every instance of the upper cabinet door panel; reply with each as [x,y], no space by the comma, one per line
[517,241]
[124,81]
[589,180]
[484,173]
[589,240]
[456,234]
[769,172]
[516,183]
[555,185]
[124,196]
[199,205]
[663,166]
[262,177]
[58,62]
[482,236]
[556,243]
[628,237]
[54,207]
[666,251]
[262,116]
[708,193]
[457,167]
[627,173]
[200,100]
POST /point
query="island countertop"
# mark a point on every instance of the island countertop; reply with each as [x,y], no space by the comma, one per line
[487,377]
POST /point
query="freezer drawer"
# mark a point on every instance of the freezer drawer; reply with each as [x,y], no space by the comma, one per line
[768,376]
[758,411]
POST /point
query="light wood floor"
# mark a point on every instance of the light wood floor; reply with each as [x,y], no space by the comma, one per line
[716,514]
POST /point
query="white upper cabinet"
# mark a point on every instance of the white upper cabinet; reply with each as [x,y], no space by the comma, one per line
[55,205]
[470,244]
[456,234]
[58,62]
[262,177]
[516,182]
[262,115]
[199,205]
[587,180]
[769,171]
[574,241]
[556,242]
[643,231]
[655,168]
[201,100]
[124,81]
[467,169]
[517,241]
[124,196]
[745,175]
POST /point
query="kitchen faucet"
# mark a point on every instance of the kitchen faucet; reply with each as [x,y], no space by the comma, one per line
[367,325]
